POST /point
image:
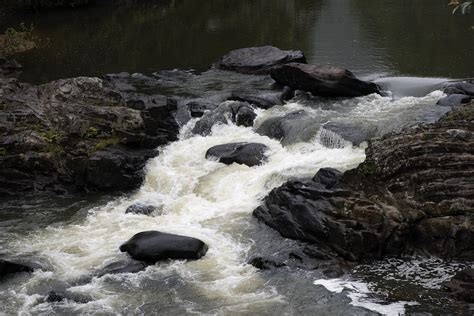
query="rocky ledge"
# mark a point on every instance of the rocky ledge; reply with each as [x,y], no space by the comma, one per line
[78,134]
[413,193]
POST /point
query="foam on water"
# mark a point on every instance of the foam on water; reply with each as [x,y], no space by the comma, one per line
[199,198]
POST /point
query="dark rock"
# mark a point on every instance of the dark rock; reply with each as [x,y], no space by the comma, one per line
[122,266]
[240,113]
[333,272]
[250,154]
[354,133]
[139,208]
[454,100]
[198,108]
[7,267]
[465,88]
[258,60]
[59,296]
[264,101]
[265,263]
[414,193]
[79,134]
[153,246]
[462,285]
[326,81]
[9,67]
[291,128]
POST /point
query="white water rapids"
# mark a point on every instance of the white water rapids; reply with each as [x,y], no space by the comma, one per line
[199,198]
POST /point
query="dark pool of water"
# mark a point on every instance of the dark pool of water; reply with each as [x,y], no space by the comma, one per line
[393,37]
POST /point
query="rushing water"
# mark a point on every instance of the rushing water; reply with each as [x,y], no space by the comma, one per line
[392,37]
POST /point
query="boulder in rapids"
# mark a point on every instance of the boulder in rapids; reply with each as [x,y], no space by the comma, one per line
[322,80]
[258,60]
[59,296]
[454,100]
[7,267]
[198,108]
[122,266]
[466,88]
[153,246]
[263,101]
[250,154]
[264,263]
[140,208]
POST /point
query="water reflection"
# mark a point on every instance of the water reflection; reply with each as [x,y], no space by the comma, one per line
[369,37]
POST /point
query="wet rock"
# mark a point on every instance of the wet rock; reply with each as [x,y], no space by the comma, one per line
[462,285]
[354,133]
[264,101]
[325,81]
[198,108]
[9,67]
[140,208]
[59,296]
[7,267]
[258,60]
[413,193]
[453,100]
[250,154]
[465,88]
[265,263]
[79,134]
[291,128]
[153,246]
[240,113]
[122,266]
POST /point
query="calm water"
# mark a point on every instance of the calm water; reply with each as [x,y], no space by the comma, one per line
[392,37]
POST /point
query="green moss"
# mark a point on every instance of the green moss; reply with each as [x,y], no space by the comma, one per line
[90,133]
[51,137]
[106,142]
[3,151]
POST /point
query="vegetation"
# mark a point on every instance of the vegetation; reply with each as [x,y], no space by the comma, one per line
[17,40]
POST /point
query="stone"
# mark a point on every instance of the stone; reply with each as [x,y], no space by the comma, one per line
[7,268]
[454,100]
[258,60]
[265,263]
[250,154]
[325,81]
[154,246]
[140,208]
[122,266]
[465,88]
[462,285]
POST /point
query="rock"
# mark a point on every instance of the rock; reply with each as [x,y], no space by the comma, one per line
[413,193]
[153,246]
[59,296]
[122,266]
[264,101]
[198,108]
[79,134]
[454,100]
[7,267]
[354,133]
[240,113]
[291,128]
[9,66]
[250,154]
[462,285]
[140,208]
[465,88]
[258,60]
[265,263]
[325,81]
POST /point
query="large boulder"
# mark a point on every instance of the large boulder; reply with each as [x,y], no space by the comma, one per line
[462,285]
[325,81]
[250,154]
[454,100]
[263,101]
[414,192]
[240,113]
[79,133]
[258,60]
[466,88]
[153,246]
[122,266]
[7,267]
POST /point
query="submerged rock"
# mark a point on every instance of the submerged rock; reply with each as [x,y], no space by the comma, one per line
[153,246]
[265,263]
[250,154]
[198,108]
[240,113]
[455,100]
[7,267]
[122,266]
[140,208]
[258,60]
[79,133]
[325,81]
[59,296]
[462,285]
[414,192]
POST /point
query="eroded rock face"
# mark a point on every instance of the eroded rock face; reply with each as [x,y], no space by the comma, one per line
[258,60]
[153,246]
[250,154]
[78,133]
[325,81]
[414,192]
[462,285]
